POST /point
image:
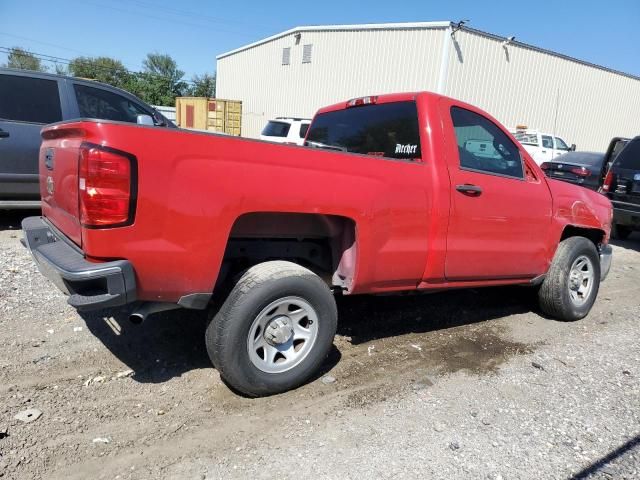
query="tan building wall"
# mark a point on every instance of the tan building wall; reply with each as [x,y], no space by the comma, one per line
[516,83]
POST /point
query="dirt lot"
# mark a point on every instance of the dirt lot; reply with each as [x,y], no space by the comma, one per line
[473,384]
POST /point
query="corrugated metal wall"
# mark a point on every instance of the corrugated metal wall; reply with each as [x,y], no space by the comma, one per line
[519,85]
[344,64]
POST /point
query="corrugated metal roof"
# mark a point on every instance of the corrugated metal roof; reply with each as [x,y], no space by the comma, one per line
[417,26]
[339,28]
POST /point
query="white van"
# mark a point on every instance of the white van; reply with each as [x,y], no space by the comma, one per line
[543,147]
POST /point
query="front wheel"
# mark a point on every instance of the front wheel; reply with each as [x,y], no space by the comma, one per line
[572,282]
[274,330]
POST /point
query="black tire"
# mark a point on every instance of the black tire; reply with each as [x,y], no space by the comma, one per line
[620,232]
[228,330]
[554,295]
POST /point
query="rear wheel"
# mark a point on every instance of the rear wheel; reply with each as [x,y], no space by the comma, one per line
[571,285]
[620,232]
[274,330]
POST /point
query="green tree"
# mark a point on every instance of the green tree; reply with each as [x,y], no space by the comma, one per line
[20,58]
[153,89]
[162,79]
[103,69]
[203,85]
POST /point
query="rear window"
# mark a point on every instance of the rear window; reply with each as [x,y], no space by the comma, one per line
[276,129]
[25,99]
[385,130]
[629,158]
[581,158]
[527,138]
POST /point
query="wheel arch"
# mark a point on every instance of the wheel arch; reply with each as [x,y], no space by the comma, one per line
[326,244]
[596,235]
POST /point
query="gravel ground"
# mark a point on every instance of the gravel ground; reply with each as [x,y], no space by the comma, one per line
[473,384]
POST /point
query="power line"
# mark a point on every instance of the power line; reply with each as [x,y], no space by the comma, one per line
[67,61]
[156,17]
[192,14]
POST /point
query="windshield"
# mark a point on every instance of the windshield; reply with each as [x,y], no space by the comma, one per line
[384,130]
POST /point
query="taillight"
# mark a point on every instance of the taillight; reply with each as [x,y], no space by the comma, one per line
[545,166]
[581,171]
[608,180]
[357,102]
[106,183]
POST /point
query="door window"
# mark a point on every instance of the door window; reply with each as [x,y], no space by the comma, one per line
[106,105]
[25,99]
[303,130]
[547,141]
[560,145]
[483,146]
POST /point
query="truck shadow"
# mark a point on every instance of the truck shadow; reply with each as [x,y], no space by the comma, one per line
[12,219]
[631,243]
[169,344]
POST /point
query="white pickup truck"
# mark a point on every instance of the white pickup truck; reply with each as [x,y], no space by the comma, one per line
[543,147]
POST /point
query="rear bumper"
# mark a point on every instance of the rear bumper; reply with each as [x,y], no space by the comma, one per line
[89,285]
[606,255]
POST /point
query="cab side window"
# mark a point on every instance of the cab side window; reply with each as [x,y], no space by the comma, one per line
[106,105]
[483,146]
[547,141]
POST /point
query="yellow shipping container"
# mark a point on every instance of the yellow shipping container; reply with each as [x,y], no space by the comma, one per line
[214,114]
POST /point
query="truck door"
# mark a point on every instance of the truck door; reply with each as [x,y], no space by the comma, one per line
[500,210]
[26,104]
[546,150]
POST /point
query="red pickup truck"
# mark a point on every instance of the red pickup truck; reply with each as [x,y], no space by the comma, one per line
[391,193]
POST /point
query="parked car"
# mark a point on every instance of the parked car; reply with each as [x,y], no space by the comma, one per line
[581,168]
[622,185]
[286,130]
[162,220]
[543,147]
[29,100]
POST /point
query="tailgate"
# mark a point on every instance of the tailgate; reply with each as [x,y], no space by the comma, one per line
[58,166]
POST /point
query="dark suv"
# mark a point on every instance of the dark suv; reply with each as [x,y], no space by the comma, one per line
[621,184]
[29,100]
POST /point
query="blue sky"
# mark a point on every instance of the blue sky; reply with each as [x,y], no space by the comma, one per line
[195,31]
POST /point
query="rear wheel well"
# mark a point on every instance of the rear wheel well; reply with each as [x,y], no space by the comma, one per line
[325,244]
[593,234]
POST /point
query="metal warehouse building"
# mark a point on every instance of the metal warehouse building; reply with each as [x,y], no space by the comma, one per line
[296,72]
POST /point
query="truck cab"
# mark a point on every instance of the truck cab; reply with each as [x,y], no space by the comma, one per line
[543,147]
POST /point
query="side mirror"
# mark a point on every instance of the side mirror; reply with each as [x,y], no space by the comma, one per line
[573,147]
[145,120]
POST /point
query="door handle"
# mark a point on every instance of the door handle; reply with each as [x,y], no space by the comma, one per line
[471,190]
[3,134]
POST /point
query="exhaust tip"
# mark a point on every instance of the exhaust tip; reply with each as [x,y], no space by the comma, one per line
[137,318]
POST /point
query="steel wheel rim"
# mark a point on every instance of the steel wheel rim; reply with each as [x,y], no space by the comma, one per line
[581,279]
[268,350]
